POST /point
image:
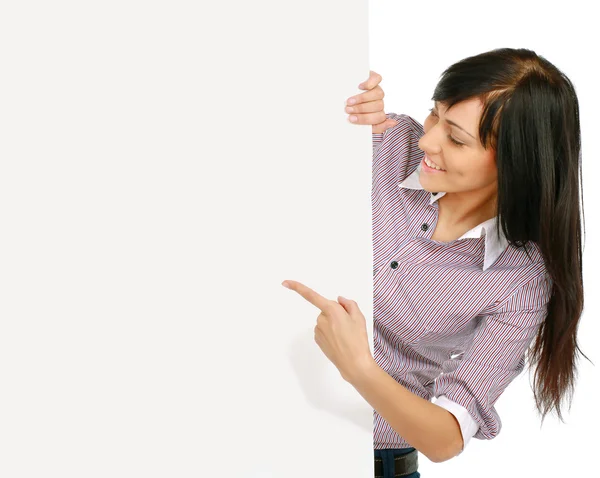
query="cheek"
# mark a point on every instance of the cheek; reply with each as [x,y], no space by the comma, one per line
[485,174]
[491,170]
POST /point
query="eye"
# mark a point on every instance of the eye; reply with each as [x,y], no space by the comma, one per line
[457,143]
[454,141]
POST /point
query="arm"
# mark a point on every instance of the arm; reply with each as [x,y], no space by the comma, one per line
[397,148]
[468,425]
[431,429]
[493,360]
[377,139]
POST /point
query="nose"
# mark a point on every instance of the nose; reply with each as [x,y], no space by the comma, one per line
[430,142]
[428,145]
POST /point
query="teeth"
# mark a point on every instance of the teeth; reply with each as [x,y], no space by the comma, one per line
[431,165]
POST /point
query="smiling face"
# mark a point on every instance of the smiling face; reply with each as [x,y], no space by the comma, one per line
[468,166]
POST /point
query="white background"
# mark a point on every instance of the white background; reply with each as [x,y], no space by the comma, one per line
[410,44]
[163,167]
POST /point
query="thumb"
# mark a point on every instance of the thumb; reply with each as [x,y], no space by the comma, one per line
[347,304]
[382,127]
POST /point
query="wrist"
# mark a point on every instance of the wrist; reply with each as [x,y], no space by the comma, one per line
[363,368]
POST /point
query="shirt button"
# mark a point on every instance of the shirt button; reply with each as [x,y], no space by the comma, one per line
[424,227]
[394,265]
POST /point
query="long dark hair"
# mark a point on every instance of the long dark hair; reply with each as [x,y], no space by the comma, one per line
[531,119]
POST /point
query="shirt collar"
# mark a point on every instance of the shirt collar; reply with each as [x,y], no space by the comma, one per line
[493,246]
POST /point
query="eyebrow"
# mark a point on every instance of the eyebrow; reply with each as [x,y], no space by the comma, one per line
[454,124]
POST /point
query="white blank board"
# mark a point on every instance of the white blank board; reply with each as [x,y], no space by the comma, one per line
[164,167]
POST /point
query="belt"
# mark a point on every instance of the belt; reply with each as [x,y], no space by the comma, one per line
[403,464]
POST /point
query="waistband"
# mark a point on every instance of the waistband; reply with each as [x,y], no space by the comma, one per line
[404,460]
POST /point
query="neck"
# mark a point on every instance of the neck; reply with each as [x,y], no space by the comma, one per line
[467,209]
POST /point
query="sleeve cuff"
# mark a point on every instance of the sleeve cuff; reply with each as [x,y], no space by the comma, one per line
[468,425]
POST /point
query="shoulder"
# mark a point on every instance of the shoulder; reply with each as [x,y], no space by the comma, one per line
[532,290]
[527,261]
[526,282]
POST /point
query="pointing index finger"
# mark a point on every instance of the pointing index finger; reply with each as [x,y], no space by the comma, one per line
[310,295]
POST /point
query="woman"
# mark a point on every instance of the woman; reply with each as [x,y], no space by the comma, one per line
[477,255]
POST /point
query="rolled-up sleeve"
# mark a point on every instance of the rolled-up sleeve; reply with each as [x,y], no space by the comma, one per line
[494,358]
[468,425]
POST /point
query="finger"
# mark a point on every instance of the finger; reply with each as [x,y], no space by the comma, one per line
[370,107]
[310,295]
[381,127]
[368,118]
[371,95]
[373,80]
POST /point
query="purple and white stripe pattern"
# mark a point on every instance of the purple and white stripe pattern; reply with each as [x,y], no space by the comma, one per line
[452,320]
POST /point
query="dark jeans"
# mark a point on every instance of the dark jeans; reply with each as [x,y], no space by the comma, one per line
[388,455]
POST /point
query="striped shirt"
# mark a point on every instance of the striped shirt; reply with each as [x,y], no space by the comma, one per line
[452,320]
